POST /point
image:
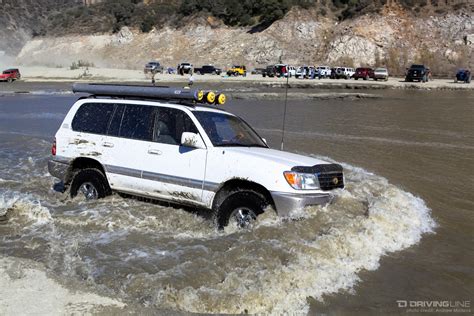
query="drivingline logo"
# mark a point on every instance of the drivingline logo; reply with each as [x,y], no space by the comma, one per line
[435,306]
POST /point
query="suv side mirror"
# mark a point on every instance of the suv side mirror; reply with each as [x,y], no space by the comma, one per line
[192,140]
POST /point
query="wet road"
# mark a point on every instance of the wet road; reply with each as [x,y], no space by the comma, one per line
[402,230]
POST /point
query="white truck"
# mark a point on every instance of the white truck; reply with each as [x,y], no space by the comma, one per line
[160,143]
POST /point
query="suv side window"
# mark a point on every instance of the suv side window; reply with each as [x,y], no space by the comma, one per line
[137,122]
[93,118]
[170,124]
[114,126]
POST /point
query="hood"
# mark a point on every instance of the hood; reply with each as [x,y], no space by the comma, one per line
[276,156]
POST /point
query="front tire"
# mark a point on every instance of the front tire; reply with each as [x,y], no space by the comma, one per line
[240,207]
[91,183]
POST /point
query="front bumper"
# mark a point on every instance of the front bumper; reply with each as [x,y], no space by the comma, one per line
[58,169]
[286,202]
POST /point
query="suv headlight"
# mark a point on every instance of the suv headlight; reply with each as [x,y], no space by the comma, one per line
[301,181]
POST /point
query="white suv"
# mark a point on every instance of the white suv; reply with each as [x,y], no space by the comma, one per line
[344,72]
[146,142]
[323,71]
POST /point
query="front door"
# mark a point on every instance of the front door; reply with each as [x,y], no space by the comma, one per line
[171,171]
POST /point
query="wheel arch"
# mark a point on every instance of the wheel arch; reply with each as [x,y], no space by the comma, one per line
[83,163]
[240,184]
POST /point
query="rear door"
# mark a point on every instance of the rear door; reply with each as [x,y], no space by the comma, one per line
[88,131]
[125,146]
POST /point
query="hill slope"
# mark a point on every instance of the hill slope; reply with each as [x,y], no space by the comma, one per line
[439,33]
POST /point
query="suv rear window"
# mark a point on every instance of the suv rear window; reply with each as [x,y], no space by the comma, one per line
[93,118]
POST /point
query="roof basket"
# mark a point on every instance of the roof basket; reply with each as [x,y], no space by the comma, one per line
[150,92]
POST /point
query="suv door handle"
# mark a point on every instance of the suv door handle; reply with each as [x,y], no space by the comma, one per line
[106,144]
[154,152]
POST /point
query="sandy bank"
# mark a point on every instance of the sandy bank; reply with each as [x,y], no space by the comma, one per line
[42,74]
[25,289]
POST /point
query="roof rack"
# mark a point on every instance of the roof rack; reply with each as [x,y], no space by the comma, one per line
[150,92]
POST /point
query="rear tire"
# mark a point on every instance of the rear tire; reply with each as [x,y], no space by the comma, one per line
[90,182]
[241,206]
[9,80]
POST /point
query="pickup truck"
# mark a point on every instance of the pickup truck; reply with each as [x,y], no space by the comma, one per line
[10,75]
[153,67]
[208,69]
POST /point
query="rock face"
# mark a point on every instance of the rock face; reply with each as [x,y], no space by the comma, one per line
[469,39]
[393,38]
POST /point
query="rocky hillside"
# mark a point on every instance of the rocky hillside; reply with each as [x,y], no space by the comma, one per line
[393,35]
[23,19]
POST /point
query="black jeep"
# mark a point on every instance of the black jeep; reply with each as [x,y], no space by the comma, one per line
[418,72]
[270,71]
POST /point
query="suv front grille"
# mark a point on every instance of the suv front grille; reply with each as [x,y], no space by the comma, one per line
[331,180]
[330,176]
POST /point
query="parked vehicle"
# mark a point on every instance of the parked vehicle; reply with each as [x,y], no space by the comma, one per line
[417,72]
[344,72]
[284,70]
[364,73]
[153,67]
[270,71]
[185,68]
[183,154]
[10,75]
[381,73]
[463,75]
[302,72]
[237,70]
[292,71]
[257,71]
[323,71]
[208,69]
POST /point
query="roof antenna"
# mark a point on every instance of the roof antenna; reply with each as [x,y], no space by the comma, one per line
[284,111]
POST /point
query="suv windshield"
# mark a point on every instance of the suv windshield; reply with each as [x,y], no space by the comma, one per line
[228,130]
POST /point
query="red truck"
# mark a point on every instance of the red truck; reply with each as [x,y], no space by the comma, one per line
[10,75]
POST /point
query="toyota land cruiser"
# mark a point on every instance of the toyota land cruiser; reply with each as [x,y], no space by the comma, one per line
[160,143]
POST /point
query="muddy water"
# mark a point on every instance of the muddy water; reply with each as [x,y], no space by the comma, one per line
[402,229]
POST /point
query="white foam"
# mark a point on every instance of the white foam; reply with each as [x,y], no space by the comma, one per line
[26,207]
[386,219]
